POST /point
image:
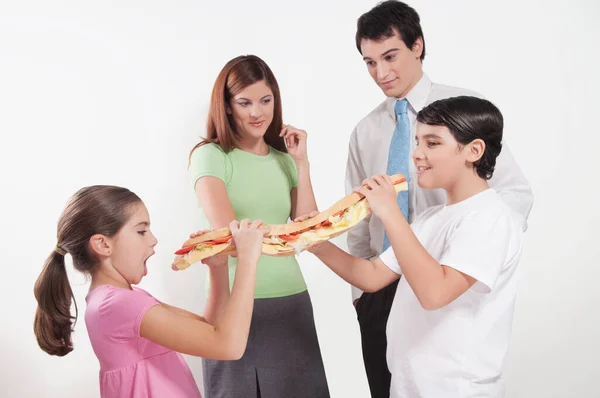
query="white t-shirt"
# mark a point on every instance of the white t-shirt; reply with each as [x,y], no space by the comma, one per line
[458,350]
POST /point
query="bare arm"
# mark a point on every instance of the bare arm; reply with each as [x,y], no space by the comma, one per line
[218,295]
[226,340]
[370,276]
[435,285]
[227,337]
[183,312]
[303,197]
[212,195]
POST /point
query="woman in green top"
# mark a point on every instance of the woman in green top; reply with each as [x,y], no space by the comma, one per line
[252,166]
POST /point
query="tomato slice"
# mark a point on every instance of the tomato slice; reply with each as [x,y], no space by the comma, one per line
[289,238]
[339,213]
[299,232]
[184,250]
[326,223]
[220,240]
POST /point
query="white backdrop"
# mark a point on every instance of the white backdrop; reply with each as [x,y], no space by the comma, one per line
[117,93]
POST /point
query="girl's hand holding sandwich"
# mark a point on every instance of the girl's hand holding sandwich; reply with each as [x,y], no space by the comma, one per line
[247,236]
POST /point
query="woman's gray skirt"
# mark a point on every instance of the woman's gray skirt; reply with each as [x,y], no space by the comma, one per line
[282,358]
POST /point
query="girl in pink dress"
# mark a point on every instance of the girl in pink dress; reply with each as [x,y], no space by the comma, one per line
[138,339]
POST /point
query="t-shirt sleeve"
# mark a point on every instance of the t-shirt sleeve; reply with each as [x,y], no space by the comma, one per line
[292,171]
[479,247]
[389,259]
[209,160]
[122,310]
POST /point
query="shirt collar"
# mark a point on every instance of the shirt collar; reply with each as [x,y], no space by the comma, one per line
[416,97]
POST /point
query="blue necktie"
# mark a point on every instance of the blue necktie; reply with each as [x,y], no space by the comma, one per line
[399,157]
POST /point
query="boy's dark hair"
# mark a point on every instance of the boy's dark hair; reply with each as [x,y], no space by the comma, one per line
[469,118]
[92,210]
[387,19]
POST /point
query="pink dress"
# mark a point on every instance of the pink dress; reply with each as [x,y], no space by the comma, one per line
[130,365]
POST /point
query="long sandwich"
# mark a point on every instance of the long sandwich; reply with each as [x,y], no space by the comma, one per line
[287,239]
[293,238]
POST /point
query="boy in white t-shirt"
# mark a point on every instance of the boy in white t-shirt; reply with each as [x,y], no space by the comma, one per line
[450,323]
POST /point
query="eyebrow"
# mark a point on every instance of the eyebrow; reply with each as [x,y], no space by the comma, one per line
[246,99]
[144,223]
[429,136]
[384,54]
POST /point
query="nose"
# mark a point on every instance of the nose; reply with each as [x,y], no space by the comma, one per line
[382,71]
[154,241]
[418,154]
[255,111]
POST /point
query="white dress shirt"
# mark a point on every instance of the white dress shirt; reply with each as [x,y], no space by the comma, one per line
[368,156]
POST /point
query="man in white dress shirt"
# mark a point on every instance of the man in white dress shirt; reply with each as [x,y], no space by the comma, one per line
[392,44]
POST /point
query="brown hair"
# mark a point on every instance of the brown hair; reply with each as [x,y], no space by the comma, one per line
[98,209]
[235,76]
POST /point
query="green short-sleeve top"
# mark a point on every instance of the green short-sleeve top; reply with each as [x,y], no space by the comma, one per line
[258,187]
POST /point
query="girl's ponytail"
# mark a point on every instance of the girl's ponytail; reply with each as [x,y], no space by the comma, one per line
[53,322]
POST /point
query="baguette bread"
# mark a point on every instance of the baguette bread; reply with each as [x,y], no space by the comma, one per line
[286,239]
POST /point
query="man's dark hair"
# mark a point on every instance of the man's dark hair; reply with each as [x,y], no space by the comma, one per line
[387,19]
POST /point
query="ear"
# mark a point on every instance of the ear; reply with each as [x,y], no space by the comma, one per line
[228,109]
[417,48]
[100,245]
[475,150]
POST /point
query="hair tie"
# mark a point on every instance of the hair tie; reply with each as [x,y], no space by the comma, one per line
[60,251]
